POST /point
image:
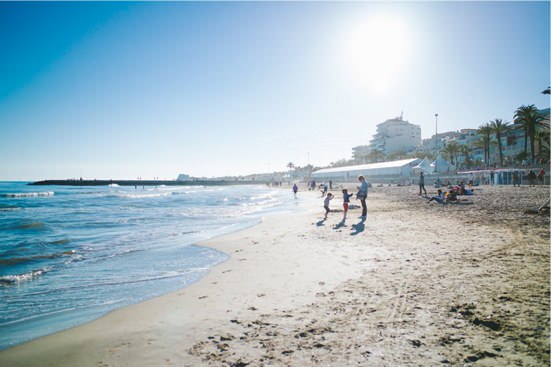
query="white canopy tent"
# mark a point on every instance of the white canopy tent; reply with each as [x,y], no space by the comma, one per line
[401,168]
[424,166]
[440,165]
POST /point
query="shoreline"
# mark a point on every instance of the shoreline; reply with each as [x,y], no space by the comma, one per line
[418,283]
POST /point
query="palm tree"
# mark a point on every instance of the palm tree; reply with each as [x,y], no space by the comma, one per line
[499,128]
[542,137]
[485,132]
[291,165]
[466,151]
[528,118]
[451,150]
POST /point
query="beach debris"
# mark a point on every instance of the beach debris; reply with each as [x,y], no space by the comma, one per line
[240,363]
[478,356]
[488,323]
[467,311]
[226,337]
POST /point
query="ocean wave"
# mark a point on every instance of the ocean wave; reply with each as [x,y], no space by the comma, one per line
[128,195]
[26,194]
[24,225]
[21,260]
[19,225]
[18,278]
[7,208]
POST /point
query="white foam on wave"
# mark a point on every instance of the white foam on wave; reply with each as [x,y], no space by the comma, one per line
[144,195]
[14,279]
[27,194]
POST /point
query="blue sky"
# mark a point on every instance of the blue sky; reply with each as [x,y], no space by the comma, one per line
[148,89]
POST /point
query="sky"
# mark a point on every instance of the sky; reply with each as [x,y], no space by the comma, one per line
[121,90]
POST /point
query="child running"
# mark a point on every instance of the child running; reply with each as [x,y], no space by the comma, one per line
[345,201]
[326,201]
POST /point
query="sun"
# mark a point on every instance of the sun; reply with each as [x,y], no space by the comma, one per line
[375,51]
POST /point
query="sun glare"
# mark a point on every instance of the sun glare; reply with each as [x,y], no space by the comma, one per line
[375,51]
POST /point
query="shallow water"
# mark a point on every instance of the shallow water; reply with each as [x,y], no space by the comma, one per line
[71,254]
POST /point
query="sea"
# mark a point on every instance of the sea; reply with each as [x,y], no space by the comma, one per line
[71,254]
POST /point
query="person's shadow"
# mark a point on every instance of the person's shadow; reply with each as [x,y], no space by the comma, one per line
[358,227]
[321,223]
[340,224]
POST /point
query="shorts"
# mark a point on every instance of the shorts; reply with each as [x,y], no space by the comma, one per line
[345,206]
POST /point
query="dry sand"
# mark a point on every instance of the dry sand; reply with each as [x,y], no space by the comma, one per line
[417,284]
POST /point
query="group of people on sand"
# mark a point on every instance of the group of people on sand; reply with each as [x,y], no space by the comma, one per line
[346,196]
[443,198]
[451,196]
[446,197]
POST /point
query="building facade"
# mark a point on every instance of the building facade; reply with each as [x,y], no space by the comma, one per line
[396,135]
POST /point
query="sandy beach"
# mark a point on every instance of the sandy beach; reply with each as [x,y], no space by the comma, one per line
[416,284]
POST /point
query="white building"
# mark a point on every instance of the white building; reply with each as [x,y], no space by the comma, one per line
[399,170]
[396,135]
[360,154]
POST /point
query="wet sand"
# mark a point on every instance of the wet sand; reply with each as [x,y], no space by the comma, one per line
[416,284]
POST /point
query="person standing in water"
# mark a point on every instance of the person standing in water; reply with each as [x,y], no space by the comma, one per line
[295,189]
[362,195]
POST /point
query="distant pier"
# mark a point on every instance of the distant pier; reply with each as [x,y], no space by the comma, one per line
[145,182]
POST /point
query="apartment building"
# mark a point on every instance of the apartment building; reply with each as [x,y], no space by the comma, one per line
[396,135]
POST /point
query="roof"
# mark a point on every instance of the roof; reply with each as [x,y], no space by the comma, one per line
[362,167]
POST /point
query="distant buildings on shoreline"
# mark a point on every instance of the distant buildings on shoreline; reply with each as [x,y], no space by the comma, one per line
[397,139]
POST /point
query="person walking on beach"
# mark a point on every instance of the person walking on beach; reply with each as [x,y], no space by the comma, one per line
[326,201]
[295,189]
[541,176]
[532,178]
[362,195]
[323,189]
[515,179]
[422,183]
[345,201]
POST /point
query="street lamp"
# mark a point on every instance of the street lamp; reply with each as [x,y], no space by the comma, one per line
[436,143]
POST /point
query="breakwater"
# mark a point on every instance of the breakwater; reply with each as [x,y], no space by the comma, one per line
[145,182]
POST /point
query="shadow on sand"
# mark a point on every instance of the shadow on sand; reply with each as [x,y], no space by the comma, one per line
[341,224]
[358,227]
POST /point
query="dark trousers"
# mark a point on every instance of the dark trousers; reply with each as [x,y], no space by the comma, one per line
[422,187]
[364,207]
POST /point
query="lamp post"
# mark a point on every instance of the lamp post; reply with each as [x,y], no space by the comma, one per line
[309,168]
[436,143]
